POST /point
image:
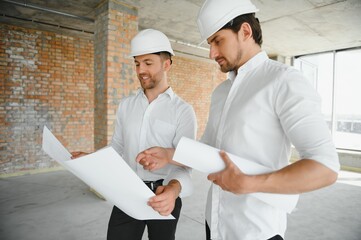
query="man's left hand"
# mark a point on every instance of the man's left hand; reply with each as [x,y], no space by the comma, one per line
[165,198]
[231,179]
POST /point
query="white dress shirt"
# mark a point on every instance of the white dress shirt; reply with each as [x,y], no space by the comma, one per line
[257,115]
[141,125]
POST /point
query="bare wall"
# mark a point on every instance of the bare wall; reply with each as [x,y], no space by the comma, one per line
[48,79]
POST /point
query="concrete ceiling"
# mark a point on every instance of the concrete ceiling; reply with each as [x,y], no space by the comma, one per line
[290,27]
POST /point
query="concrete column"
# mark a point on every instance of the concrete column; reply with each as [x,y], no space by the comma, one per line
[115,25]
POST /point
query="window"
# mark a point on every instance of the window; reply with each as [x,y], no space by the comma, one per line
[337,77]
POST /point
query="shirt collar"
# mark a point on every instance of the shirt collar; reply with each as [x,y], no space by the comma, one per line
[251,64]
[169,92]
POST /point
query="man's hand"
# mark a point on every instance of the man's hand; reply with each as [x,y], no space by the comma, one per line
[301,176]
[155,158]
[232,179]
[164,201]
[78,154]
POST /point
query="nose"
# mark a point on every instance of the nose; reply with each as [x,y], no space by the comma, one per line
[213,53]
[140,69]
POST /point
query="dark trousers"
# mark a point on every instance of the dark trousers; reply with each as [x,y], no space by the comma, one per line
[208,234]
[123,227]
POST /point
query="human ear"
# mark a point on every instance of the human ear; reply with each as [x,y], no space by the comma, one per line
[167,64]
[245,31]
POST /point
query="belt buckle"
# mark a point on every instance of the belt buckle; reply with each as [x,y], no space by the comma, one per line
[153,184]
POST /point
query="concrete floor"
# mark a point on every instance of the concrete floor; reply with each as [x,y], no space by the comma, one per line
[56,205]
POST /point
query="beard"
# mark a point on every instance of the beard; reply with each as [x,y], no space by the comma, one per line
[147,83]
[231,65]
[151,81]
[227,67]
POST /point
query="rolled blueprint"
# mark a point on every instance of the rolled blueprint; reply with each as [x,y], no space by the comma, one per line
[205,158]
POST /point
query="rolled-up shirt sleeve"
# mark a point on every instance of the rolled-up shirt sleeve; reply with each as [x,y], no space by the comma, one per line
[299,108]
[183,176]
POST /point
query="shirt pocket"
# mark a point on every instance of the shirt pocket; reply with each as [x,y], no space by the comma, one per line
[164,133]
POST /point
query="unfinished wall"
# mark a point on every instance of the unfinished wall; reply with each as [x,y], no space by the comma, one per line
[46,79]
[115,25]
[194,80]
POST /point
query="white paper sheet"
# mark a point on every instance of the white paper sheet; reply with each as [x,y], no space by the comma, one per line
[205,158]
[107,173]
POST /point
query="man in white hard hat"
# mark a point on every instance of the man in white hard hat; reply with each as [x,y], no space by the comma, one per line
[154,116]
[256,114]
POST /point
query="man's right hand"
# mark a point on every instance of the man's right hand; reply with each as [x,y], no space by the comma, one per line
[78,154]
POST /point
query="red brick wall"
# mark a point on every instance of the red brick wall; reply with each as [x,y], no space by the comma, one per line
[194,80]
[46,79]
[115,24]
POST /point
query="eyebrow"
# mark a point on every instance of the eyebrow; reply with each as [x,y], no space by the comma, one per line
[213,39]
[144,60]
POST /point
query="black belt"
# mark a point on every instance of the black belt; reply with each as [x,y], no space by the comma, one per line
[154,184]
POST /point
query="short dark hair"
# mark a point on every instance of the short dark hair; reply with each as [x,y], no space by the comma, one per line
[165,55]
[250,18]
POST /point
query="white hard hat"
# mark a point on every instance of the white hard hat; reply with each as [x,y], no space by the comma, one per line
[150,41]
[214,14]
